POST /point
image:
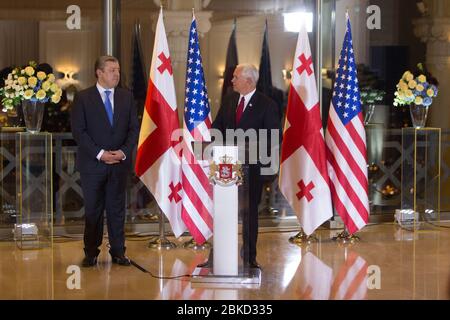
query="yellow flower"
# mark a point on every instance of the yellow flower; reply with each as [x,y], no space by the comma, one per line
[58,92]
[422,78]
[22,80]
[418,100]
[29,71]
[32,82]
[430,92]
[54,87]
[409,94]
[51,77]
[408,76]
[56,98]
[420,88]
[412,84]
[41,75]
[40,94]
[46,85]
[28,94]
[403,86]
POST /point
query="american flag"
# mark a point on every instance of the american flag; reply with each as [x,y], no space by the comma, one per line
[350,282]
[346,143]
[197,205]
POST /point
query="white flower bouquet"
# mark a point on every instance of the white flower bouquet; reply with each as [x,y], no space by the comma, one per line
[29,83]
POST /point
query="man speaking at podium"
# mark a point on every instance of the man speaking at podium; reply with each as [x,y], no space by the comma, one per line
[248,109]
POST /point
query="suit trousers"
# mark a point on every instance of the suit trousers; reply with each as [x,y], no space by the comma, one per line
[104,191]
[249,200]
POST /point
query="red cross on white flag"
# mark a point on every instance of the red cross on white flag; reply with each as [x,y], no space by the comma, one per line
[303,175]
[305,65]
[166,64]
[157,163]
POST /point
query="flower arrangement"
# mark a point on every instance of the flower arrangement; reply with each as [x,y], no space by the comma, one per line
[29,83]
[419,89]
[371,96]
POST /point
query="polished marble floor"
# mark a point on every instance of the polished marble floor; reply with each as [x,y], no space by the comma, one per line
[388,263]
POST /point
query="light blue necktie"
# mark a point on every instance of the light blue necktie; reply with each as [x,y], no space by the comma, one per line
[108,107]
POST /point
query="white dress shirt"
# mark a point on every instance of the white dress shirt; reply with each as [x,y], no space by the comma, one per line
[247,98]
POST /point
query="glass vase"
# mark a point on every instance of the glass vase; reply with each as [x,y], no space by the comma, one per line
[368,110]
[33,112]
[419,114]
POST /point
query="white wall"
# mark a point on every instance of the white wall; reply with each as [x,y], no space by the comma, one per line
[19,41]
[358,18]
[71,50]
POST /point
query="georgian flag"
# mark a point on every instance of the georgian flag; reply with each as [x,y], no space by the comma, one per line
[157,163]
[303,178]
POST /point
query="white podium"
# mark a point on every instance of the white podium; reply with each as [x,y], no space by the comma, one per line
[225,215]
[226,173]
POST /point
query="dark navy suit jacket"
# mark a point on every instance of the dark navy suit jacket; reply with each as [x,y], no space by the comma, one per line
[261,113]
[93,132]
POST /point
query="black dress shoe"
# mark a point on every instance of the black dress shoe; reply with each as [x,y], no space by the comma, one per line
[123,261]
[254,265]
[89,261]
[206,264]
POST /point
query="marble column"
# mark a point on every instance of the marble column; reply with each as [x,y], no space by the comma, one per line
[177,21]
[434,30]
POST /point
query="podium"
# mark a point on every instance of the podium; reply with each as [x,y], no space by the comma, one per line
[227,174]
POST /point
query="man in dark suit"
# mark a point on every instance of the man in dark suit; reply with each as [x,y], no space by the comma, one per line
[105,128]
[247,109]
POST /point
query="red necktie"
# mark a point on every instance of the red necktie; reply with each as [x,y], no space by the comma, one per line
[240,110]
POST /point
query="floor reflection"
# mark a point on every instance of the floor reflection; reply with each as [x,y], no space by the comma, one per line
[315,280]
[350,281]
[385,264]
[313,277]
[25,274]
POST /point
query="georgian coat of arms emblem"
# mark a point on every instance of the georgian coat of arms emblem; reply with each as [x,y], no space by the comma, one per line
[225,173]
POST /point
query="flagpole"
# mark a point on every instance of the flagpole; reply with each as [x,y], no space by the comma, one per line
[161,242]
[302,238]
[161,276]
[319,51]
[345,237]
[192,244]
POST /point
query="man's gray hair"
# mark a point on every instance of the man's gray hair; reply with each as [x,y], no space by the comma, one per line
[249,71]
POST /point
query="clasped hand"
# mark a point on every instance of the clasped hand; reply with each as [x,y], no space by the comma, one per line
[112,157]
